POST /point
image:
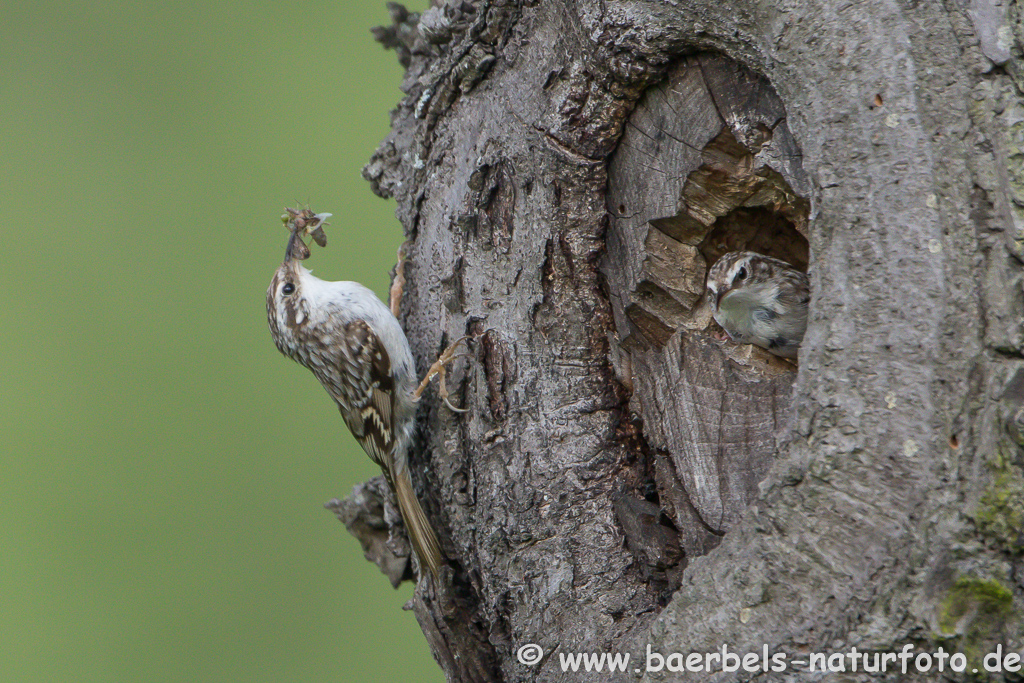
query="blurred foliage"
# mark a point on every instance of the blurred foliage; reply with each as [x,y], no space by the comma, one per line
[164,468]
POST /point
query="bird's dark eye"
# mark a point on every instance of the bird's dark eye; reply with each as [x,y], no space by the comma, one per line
[741,274]
[288,288]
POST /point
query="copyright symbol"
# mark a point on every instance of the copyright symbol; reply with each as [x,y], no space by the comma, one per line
[530,654]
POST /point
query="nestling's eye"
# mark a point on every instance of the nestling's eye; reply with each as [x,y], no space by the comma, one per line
[741,274]
[288,288]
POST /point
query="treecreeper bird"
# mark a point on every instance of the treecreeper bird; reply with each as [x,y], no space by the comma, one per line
[760,300]
[355,346]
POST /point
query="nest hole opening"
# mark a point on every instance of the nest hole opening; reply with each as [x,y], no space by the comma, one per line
[756,229]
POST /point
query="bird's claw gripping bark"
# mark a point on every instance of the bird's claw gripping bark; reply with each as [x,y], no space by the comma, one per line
[439,368]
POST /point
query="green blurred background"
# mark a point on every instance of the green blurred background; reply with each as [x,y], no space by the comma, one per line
[163,467]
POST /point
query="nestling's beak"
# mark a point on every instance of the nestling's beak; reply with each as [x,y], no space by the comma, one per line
[718,294]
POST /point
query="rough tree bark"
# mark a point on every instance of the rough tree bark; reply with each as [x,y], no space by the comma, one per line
[568,170]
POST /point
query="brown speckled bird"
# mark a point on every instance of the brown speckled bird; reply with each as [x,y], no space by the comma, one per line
[354,345]
[760,300]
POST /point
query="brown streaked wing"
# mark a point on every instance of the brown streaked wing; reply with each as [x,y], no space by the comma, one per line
[795,287]
[367,401]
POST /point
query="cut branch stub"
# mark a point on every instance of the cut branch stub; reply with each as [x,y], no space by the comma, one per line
[369,516]
[706,165]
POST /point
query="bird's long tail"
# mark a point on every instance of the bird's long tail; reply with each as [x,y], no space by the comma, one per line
[424,540]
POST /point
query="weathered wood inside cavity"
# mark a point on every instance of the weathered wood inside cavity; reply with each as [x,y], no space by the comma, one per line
[717,421]
[706,165]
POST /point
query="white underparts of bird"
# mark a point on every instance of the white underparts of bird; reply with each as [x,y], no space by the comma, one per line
[760,300]
[354,345]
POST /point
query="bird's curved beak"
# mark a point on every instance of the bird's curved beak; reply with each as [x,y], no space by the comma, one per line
[296,249]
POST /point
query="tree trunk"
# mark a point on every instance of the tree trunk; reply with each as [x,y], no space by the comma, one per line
[626,481]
